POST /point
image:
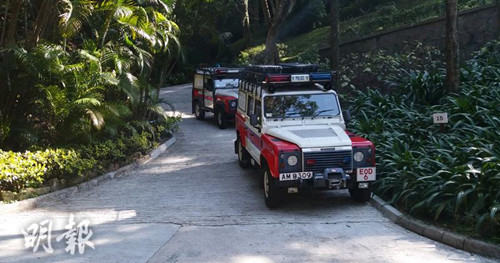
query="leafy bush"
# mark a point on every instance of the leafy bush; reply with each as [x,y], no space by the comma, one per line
[395,14]
[140,142]
[450,177]
[18,170]
[36,168]
[32,169]
[255,55]
[387,71]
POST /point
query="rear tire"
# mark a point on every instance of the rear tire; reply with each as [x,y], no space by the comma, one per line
[272,194]
[360,195]
[221,118]
[243,155]
[198,111]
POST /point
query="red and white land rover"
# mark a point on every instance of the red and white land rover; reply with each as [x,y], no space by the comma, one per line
[216,90]
[290,124]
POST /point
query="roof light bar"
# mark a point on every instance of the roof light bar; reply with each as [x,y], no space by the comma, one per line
[277,78]
[274,77]
[321,76]
[220,71]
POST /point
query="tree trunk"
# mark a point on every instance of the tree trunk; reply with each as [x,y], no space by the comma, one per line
[106,28]
[247,34]
[452,46]
[254,12]
[4,25]
[11,33]
[275,13]
[498,18]
[166,70]
[266,12]
[335,41]
[271,52]
[44,14]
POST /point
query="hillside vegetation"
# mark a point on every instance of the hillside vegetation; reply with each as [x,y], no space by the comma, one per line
[388,15]
[452,177]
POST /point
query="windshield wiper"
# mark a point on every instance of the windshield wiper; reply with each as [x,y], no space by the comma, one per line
[322,111]
[288,114]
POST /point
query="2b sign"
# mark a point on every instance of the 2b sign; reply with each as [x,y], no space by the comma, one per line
[366,174]
[440,117]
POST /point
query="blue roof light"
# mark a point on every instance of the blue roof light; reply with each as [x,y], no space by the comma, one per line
[321,76]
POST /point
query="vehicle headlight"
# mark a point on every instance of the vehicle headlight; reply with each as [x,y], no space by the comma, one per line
[233,104]
[359,156]
[292,160]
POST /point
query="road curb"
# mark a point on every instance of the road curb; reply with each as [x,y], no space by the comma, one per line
[64,193]
[441,235]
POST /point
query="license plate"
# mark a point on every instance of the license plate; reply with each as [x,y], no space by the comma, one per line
[295,176]
[367,174]
[299,78]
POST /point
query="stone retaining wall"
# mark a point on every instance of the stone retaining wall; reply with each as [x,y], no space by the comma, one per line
[477,26]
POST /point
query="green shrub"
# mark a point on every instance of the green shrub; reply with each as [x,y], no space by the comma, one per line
[452,177]
[33,169]
[63,163]
[140,142]
[18,170]
[387,71]
[255,55]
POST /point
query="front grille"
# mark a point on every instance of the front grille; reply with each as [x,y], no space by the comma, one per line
[328,159]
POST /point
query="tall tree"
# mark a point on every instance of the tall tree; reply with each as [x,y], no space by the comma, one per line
[275,14]
[452,46]
[498,18]
[12,21]
[335,42]
[247,33]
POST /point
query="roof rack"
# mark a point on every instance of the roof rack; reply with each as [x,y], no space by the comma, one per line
[299,68]
[220,71]
[273,77]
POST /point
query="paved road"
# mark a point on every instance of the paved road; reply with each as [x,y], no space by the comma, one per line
[194,204]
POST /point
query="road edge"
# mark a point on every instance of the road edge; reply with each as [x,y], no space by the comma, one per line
[449,238]
[85,186]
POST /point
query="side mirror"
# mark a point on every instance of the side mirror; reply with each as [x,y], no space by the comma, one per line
[254,121]
[347,116]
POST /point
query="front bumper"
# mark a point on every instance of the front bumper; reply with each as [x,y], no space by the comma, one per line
[331,178]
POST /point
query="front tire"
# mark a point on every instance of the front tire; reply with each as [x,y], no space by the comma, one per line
[198,111]
[272,194]
[360,195]
[243,155]
[221,118]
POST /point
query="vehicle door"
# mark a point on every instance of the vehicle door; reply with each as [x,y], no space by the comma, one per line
[254,145]
[208,92]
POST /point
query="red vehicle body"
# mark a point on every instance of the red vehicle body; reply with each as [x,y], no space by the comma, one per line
[216,90]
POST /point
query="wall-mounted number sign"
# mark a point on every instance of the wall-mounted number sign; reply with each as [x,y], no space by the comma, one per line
[441,117]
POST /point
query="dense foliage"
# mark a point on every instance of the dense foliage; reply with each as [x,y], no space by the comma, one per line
[79,85]
[452,177]
[88,75]
[393,14]
[37,168]
[359,19]
[385,70]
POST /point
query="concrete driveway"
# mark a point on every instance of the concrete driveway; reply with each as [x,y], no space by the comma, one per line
[195,204]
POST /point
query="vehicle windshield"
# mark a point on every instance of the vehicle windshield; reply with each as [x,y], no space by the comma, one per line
[226,83]
[295,106]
